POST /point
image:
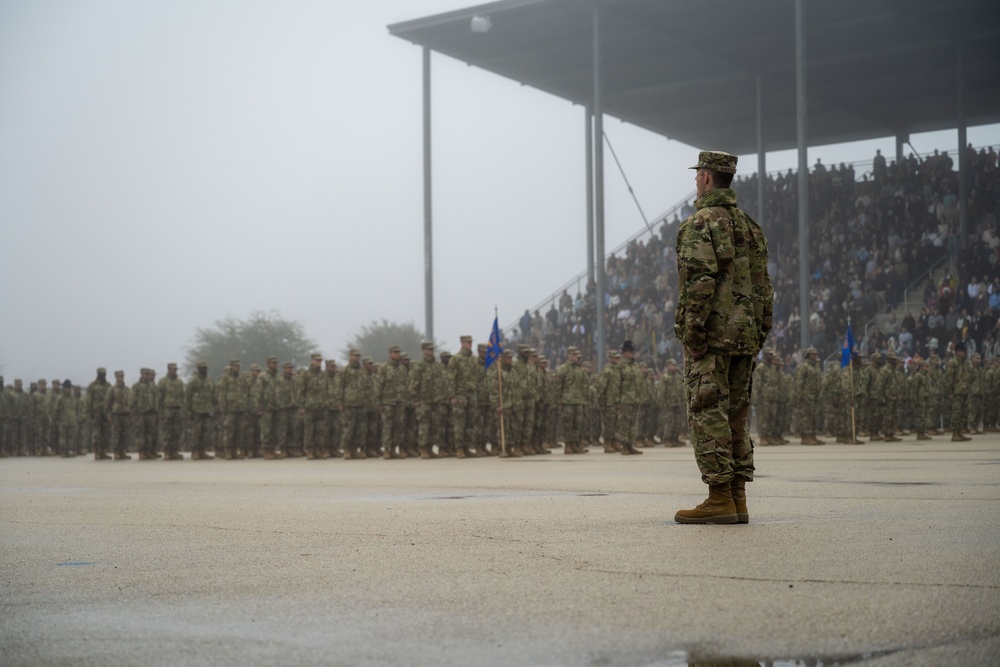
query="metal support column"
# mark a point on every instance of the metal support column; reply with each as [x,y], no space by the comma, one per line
[428,218]
[963,163]
[761,158]
[600,331]
[589,118]
[803,189]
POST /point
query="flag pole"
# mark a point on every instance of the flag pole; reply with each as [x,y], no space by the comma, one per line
[503,439]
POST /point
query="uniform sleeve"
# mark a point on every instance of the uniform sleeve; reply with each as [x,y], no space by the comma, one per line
[697,267]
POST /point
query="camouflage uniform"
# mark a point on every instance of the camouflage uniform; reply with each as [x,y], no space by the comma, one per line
[671,397]
[505,401]
[95,401]
[807,390]
[64,416]
[976,391]
[353,401]
[284,407]
[992,397]
[41,427]
[463,380]
[631,389]
[429,391]
[608,384]
[144,407]
[920,400]
[117,407]
[171,404]
[199,402]
[723,316]
[572,385]
[312,392]
[333,409]
[233,394]
[957,387]
[391,393]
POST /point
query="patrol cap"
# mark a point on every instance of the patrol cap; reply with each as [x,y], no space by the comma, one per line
[481,347]
[523,347]
[171,365]
[331,363]
[117,374]
[404,356]
[393,348]
[272,358]
[426,345]
[615,354]
[532,352]
[445,354]
[671,362]
[234,362]
[810,350]
[573,349]
[316,356]
[465,339]
[202,364]
[254,367]
[102,371]
[507,354]
[628,346]
[46,382]
[890,354]
[288,364]
[367,360]
[716,161]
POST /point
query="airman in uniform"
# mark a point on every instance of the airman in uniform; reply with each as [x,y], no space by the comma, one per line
[608,385]
[390,393]
[200,404]
[171,405]
[117,405]
[808,385]
[957,387]
[353,401]
[671,397]
[144,406]
[428,388]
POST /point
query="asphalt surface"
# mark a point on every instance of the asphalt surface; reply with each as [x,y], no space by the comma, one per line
[877,555]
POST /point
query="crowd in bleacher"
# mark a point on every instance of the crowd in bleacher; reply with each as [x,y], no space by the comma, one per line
[874,239]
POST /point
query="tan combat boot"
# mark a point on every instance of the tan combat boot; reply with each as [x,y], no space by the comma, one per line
[629,448]
[737,487]
[717,508]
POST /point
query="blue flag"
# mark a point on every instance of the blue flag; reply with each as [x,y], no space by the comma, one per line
[845,354]
[495,346]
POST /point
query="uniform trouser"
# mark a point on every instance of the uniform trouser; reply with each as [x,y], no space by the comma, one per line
[805,417]
[484,421]
[14,437]
[283,430]
[429,419]
[41,441]
[119,432]
[921,415]
[889,418]
[718,393]
[100,434]
[265,431]
[315,431]
[332,431]
[506,427]
[393,420]
[372,439]
[959,412]
[628,424]
[526,425]
[353,428]
[609,422]
[463,422]
[571,422]
[671,421]
[144,431]
[975,409]
[538,423]
[171,430]
[201,432]
[67,438]
[253,434]
[234,432]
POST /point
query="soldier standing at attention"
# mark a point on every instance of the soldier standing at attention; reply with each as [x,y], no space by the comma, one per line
[64,417]
[427,387]
[143,406]
[808,383]
[463,386]
[957,385]
[572,387]
[199,400]
[117,406]
[671,394]
[253,412]
[353,380]
[171,404]
[390,395]
[631,389]
[332,409]
[608,384]
[234,397]
[284,413]
[723,316]
[312,406]
[96,402]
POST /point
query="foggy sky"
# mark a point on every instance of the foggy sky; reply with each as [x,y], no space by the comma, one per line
[164,165]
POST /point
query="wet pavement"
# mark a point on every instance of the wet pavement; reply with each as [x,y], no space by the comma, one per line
[876,555]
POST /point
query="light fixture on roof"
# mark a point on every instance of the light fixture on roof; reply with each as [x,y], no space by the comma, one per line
[481,23]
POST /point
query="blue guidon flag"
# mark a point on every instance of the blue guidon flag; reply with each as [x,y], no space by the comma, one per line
[848,349]
[495,346]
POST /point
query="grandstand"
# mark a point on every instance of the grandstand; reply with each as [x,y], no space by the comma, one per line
[871,243]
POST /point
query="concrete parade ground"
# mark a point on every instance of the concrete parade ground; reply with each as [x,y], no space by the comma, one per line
[886,554]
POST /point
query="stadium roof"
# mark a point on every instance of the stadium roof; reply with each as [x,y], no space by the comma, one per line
[688,69]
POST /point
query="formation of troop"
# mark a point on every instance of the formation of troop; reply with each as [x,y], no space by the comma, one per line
[447,405]
[879,398]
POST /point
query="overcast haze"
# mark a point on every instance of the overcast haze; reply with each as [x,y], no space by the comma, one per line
[164,165]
